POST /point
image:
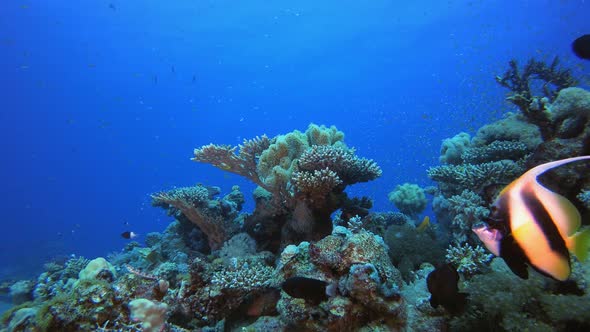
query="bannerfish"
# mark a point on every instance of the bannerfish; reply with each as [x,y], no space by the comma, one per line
[443,288]
[129,235]
[312,290]
[532,225]
[581,47]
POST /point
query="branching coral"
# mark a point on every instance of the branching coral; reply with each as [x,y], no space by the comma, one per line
[475,176]
[467,259]
[316,184]
[519,82]
[304,175]
[242,163]
[243,275]
[533,107]
[497,150]
[467,208]
[349,168]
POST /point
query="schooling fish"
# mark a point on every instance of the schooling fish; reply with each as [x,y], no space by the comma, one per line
[532,225]
[313,290]
[442,285]
[581,47]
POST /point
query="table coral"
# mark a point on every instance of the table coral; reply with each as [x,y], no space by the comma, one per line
[304,175]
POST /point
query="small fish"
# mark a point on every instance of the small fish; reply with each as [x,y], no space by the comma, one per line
[581,47]
[112,6]
[532,225]
[312,290]
[442,285]
[424,224]
[129,235]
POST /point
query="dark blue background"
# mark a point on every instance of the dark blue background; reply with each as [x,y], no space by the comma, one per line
[101,106]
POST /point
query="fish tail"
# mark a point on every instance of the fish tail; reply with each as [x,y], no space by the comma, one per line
[581,242]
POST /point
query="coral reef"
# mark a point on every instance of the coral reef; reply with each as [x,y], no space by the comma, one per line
[303,177]
[533,107]
[503,300]
[217,218]
[457,178]
[467,209]
[367,283]
[409,248]
[466,259]
[451,149]
[499,300]
[409,198]
[216,268]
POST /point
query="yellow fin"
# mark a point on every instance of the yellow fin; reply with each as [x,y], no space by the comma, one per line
[564,214]
[424,224]
[581,243]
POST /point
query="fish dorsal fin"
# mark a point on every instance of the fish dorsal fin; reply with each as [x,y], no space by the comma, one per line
[563,213]
[540,169]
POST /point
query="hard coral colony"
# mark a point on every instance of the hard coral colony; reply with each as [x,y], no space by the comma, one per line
[311,258]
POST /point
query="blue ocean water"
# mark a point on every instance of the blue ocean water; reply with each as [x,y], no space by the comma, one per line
[103,102]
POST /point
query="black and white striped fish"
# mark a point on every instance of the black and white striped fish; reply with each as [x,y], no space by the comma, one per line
[532,225]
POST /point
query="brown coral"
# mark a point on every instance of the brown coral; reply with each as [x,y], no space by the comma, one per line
[533,107]
[217,229]
[243,163]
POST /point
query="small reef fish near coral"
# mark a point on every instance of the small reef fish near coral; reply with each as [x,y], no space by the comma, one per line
[313,290]
[443,287]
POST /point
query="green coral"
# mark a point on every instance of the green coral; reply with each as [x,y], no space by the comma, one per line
[409,198]
[452,149]
[278,162]
[409,248]
[467,259]
[457,178]
[513,127]
[495,151]
[467,209]
[502,301]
